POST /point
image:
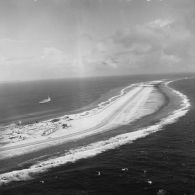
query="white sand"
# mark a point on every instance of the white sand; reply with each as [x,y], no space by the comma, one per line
[98,147]
[141,100]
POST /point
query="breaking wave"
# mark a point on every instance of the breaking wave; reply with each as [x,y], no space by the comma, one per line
[97,147]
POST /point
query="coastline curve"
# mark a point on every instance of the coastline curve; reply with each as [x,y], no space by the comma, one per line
[100,146]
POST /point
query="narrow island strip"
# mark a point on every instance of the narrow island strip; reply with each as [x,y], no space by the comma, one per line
[154,100]
[134,102]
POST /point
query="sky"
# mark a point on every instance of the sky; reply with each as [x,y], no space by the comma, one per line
[44,39]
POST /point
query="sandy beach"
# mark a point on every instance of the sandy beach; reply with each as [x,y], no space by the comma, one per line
[133,102]
[150,105]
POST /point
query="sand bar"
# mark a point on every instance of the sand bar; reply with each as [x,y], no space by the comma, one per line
[134,102]
[142,120]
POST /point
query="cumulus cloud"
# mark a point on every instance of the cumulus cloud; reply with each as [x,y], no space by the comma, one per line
[153,46]
[169,59]
[52,63]
[160,23]
[54,55]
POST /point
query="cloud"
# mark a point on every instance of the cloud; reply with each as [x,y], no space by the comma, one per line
[169,59]
[140,48]
[54,55]
[3,59]
[53,63]
[160,23]
[155,46]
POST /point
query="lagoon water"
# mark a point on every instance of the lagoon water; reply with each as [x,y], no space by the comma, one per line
[20,100]
[162,162]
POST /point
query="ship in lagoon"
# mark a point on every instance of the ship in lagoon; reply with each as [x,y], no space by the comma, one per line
[47,100]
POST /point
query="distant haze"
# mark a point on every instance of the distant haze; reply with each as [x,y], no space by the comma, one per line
[42,39]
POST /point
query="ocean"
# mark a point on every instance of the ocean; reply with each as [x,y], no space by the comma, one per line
[160,163]
[20,100]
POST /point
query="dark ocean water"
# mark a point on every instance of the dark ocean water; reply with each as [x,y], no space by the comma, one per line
[161,163]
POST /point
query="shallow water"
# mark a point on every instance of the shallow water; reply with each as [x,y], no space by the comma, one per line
[20,101]
[163,160]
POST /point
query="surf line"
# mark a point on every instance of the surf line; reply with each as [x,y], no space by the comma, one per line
[98,147]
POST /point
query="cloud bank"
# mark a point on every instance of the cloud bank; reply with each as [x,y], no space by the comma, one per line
[94,38]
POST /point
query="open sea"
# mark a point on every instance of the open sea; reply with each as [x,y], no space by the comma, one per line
[161,163]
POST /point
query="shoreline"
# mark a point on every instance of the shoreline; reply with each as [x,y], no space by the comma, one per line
[49,127]
[99,104]
[56,114]
[115,92]
[161,117]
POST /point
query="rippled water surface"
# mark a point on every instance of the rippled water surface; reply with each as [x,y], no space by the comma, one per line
[161,163]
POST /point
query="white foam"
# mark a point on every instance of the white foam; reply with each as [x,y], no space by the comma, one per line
[17,135]
[14,135]
[96,148]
